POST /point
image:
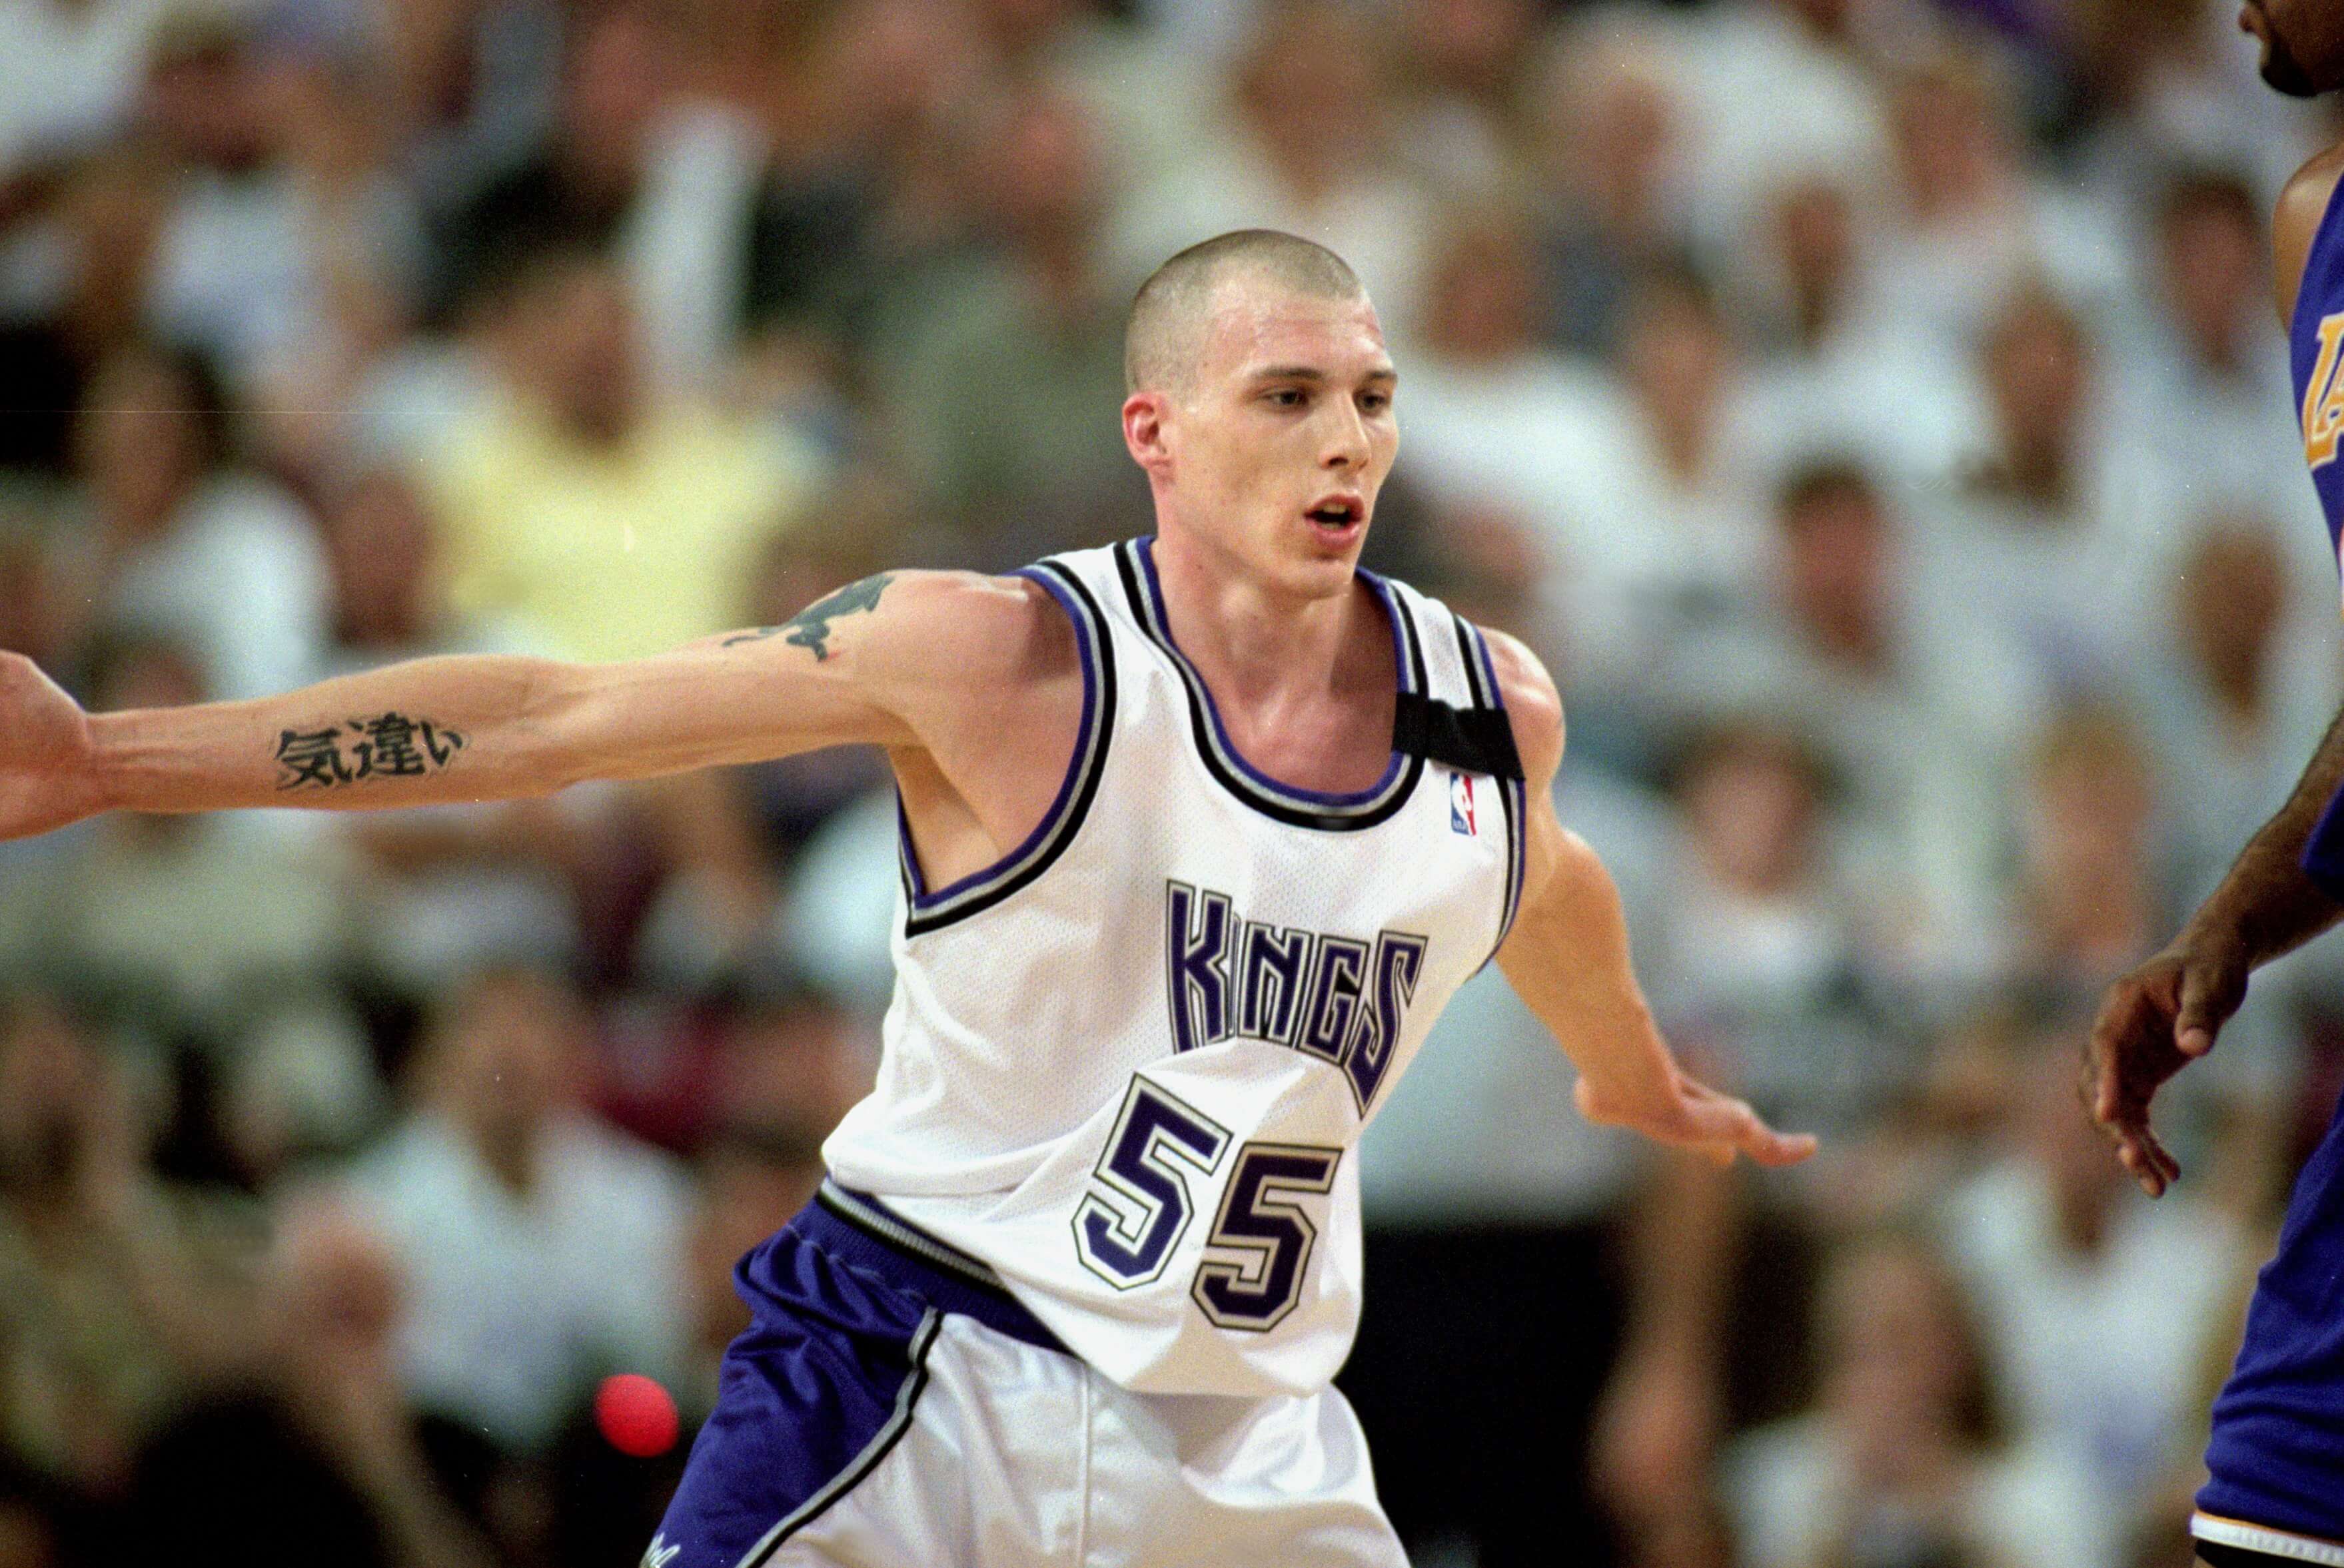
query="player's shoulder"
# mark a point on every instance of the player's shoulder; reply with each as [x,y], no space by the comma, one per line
[2303,206]
[1533,705]
[2305,195]
[969,629]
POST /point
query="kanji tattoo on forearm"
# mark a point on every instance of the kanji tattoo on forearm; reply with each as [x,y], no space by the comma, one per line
[387,746]
[810,627]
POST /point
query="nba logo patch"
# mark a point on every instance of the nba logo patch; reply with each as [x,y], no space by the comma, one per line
[1462,818]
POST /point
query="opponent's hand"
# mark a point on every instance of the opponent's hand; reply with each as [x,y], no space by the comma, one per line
[1692,1115]
[2154,1022]
[46,774]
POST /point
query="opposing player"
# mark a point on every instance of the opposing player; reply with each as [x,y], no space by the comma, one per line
[2275,1461]
[1199,834]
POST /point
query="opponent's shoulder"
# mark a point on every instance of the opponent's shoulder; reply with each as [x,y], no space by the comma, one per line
[1533,705]
[2295,225]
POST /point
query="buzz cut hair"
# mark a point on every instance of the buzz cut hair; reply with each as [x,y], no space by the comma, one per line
[1164,337]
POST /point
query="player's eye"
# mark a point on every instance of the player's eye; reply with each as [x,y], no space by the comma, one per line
[1375,402]
[1286,397]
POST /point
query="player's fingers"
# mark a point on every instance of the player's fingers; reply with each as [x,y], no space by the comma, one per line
[2127,1006]
[1779,1149]
[2151,1165]
[1732,1125]
[2087,1084]
[1705,1116]
[1768,1147]
[2168,1168]
[2137,1166]
[2205,1002]
[2103,1052]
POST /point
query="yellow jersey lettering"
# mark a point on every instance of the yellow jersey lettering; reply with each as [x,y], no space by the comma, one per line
[2323,396]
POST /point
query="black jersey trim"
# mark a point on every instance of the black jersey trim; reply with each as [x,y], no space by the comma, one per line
[1513,794]
[927,911]
[899,1421]
[1279,802]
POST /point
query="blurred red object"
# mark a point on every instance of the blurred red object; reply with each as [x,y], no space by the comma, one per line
[635,1414]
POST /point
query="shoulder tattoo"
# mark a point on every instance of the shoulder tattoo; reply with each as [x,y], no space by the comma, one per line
[810,627]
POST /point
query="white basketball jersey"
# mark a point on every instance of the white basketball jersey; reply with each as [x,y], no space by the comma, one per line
[1127,1068]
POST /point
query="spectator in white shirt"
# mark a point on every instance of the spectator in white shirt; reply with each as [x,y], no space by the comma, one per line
[1970,218]
[2099,1311]
[542,1246]
[1900,1462]
[2054,538]
[180,541]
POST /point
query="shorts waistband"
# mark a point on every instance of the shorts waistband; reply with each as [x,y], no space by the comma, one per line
[858,1228]
[2263,1540]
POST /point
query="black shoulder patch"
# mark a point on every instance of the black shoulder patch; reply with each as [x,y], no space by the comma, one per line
[1472,739]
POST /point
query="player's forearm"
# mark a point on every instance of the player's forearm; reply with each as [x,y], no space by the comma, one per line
[425,732]
[2267,906]
[1568,960]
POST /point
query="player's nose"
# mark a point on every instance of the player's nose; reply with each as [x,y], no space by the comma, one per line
[1345,443]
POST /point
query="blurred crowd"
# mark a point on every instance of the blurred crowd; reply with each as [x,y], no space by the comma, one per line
[1871,410]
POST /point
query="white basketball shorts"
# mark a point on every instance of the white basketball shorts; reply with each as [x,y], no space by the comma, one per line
[891,1407]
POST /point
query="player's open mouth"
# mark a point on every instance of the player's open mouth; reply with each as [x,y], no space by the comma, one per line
[1335,516]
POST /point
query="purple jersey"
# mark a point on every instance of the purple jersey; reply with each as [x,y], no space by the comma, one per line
[2316,351]
[2316,354]
[2277,1455]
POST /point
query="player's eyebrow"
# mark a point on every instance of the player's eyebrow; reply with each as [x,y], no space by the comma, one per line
[1312,373]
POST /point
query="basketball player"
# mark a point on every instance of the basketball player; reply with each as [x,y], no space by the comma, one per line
[1199,834]
[2276,1492]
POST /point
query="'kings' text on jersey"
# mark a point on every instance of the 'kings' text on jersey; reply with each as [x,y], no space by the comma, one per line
[1340,999]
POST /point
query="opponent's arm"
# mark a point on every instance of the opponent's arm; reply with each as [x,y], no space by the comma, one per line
[848,667]
[1567,957]
[2165,1014]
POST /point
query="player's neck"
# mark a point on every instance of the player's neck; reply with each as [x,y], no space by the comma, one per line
[1255,645]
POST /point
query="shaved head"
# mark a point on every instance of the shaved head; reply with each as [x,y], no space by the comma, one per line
[1165,338]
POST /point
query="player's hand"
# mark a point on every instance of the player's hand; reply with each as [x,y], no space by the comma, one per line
[47,775]
[2154,1022]
[1692,1115]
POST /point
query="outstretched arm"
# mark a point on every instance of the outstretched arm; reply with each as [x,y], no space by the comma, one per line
[1567,960]
[861,665]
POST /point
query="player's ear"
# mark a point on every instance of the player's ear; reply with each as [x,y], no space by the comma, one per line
[1144,418]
